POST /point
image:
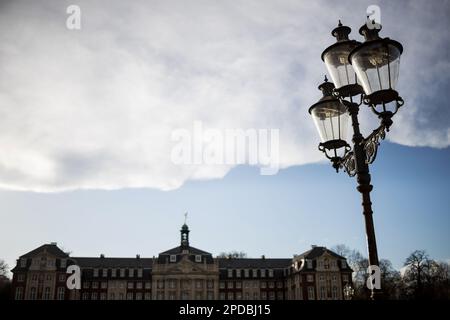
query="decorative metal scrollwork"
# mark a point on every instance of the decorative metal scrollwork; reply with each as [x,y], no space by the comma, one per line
[371,143]
[349,164]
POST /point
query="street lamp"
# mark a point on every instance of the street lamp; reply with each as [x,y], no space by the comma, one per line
[368,70]
[348,292]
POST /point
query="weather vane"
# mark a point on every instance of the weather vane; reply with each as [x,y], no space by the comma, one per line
[185,217]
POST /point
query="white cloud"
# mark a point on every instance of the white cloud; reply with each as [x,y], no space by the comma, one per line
[95,108]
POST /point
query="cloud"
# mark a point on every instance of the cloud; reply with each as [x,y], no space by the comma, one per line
[95,108]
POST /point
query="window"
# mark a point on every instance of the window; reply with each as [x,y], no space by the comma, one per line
[60,293]
[198,258]
[33,293]
[345,277]
[138,296]
[230,273]
[271,284]
[20,278]
[263,284]
[246,284]
[103,296]
[129,296]
[335,293]
[309,264]
[270,273]
[210,284]
[255,273]
[222,285]
[198,284]
[34,277]
[138,285]
[246,273]
[122,273]
[263,273]
[121,296]
[310,278]
[139,273]
[238,296]
[279,284]
[105,272]
[94,296]
[172,284]
[112,296]
[94,285]
[264,295]
[255,284]
[122,285]
[210,295]
[95,272]
[131,272]
[238,285]
[147,296]
[148,285]
[271,295]
[334,278]
[85,285]
[49,277]
[255,296]
[62,277]
[160,284]
[322,293]
[247,296]
[104,284]
[344,263]
[310,293]
[113,273]
[321,277]
[238,273]
[19,293]
[230,296]
[130,285]
[46,295]
[230,284]
[326,264]
[63,263]
[173,258]
[222,296]
[23,263]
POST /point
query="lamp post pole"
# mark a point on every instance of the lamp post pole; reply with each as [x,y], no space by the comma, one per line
[364,187]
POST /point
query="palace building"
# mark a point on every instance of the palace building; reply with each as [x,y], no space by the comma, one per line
[184,272]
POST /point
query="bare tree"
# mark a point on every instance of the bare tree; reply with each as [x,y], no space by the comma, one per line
[417,266]
[233,255]
[4,269]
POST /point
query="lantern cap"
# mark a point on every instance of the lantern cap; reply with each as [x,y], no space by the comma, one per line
[370,33]
[326,87]
[341,32]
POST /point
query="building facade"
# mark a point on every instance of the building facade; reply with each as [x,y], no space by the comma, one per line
[181,273]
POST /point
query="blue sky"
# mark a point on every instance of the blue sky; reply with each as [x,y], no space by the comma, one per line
[86,118]
[276,215]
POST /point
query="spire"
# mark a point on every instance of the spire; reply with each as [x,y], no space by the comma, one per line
[185,233]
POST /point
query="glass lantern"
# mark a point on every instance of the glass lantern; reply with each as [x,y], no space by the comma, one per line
[376,63]
[331,119]
[336,60]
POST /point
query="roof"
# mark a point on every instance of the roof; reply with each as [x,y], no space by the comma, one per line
[49,248]
[253,263]
[179,250]
[317,251]
[113,262]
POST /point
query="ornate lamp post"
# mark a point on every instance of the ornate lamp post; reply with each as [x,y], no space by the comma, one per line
[368,70]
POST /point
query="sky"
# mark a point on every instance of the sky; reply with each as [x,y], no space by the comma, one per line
[86,118]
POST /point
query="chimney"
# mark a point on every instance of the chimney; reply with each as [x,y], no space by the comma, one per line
[313,246]
[102,256]
[138,256]
[54,243]
[263,257]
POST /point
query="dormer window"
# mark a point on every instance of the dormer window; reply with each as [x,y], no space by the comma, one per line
[344,264]
[309,264]
[198,258]
[23,263]
[63,263]
[173,258]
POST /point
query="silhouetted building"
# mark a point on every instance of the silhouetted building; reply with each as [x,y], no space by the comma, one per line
[183,272]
